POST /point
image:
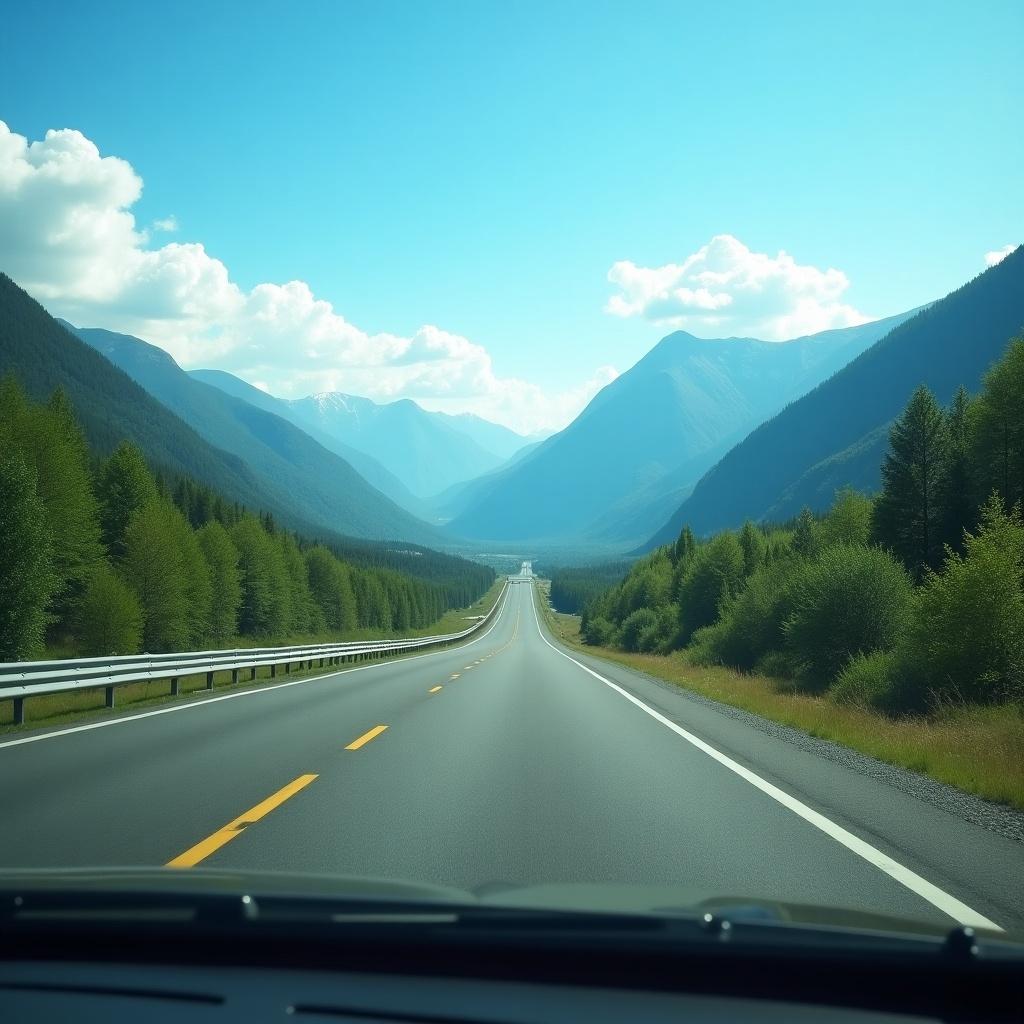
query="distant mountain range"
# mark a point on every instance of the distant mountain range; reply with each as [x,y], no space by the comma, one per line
[838,433]
[630,457]
[186,426]
[405,451]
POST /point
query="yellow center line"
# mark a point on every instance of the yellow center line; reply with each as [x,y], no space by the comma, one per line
[366,737]
[434,689]
[214,842]
[454,675]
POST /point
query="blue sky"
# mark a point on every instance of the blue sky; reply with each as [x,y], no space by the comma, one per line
[480,167]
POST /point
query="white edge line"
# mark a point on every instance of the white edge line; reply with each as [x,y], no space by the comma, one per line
[937,897]
[204,702]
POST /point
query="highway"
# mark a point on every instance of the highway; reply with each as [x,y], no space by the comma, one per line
[508,760]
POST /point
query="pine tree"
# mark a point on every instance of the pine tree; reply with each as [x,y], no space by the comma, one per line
[222,558]
[256,613]
[153,566]
[109,615]
[958,489]
[27,577]
[125,486]
[806,536]
[752,543]
[998,422]
[908,514]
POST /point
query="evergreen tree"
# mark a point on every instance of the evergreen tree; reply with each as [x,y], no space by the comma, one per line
[908,514]
[849,520]
[684,547]
[125,486]
[197,579]
[253,547]
[27,577]
[109,615]
[153,565]
[806,536]
[958,488]
[753,545]
[998,422]
[222,558]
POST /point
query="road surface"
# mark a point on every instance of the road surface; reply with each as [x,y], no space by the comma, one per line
[508,760]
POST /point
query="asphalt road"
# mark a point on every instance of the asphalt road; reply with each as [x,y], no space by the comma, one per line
[508,760]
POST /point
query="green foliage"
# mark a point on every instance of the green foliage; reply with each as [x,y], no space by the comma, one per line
[752,542]
[849,520]
[965,638]
[108,617]
[867,680]
[639,631]
[806,535]
[850,600]
[908,515]
[125,485]
[28,579]
[998,423]
[959,486]
[574,587]
[332,589]
[714,576]
[222,559]
[154,567]
[597,631]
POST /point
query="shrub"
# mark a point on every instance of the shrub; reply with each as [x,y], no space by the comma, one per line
[109,617]
[867,680]
[965,637]
[776,665]
[714,575]
[598,632]
[850,600]
[639,623]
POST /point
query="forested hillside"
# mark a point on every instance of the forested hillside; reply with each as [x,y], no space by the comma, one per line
[287,460]
[836,435]
[112,407]
[100,555]
[900,602]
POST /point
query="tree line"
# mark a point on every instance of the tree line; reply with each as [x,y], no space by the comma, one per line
[899,601]
[106,556]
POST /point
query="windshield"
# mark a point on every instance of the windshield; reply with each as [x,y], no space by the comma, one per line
[562,456]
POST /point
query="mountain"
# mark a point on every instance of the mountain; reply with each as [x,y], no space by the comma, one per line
[365,465]
[492,437]
[616,472]
[284,470]
[838,433]
[425,451]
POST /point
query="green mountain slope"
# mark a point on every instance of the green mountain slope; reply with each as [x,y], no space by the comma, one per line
[290,464]
[837,434]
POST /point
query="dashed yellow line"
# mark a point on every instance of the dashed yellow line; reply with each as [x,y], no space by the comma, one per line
[455,675]
[366,737]
[212,843]
[434,689]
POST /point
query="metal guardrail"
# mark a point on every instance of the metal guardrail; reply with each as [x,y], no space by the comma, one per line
[20,680]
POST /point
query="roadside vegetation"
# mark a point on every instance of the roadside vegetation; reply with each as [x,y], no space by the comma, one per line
[894,624]
[106,556]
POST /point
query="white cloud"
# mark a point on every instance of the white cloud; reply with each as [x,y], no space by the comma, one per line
[67,235]
[998,255]
[726,289]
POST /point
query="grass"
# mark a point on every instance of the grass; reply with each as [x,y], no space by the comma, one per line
[61,708]
[977,749]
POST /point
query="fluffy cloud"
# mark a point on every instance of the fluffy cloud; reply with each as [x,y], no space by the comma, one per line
[726,289]
[998,255]
[68,236]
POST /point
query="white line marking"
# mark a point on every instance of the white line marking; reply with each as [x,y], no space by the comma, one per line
[937,897]
[245,693]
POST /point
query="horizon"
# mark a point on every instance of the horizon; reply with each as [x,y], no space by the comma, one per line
[436,269]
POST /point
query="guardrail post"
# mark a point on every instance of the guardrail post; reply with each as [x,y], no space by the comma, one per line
[110,696]
[252,672]
[234,676]
[174,686]
[209,680]
[287,668]
[19,710]
[273,671]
